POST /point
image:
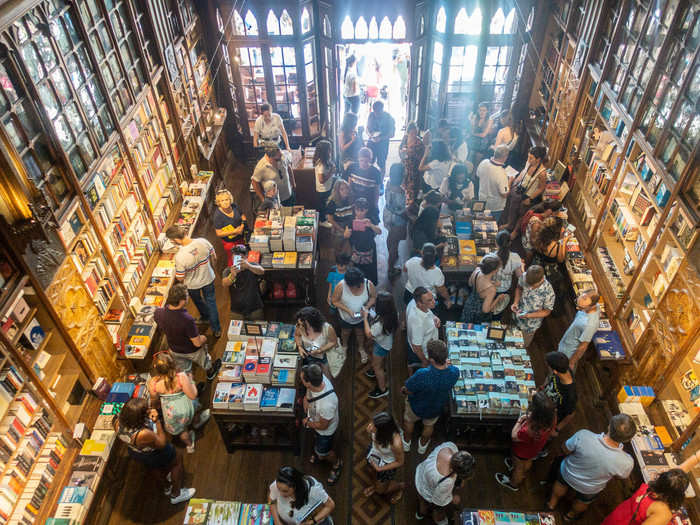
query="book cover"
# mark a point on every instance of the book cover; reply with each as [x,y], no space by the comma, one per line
[197,511]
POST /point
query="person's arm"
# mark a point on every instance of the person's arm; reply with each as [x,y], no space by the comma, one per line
[423,166]
[537,314]
[321,424]
[321,513]
[331,340]
[275,514]
[578,353]
[540,189]
[562,424]
[561,248]
[690,463]
[375,228]
[487,305]
[500,139]
[283,132]
[252,267]
[397,449]
[337,299]
[255,138]
[290,173]
[257,187]
[658,513]
[154,397]
[516,298]
[194,335]
[365,324]
[187,385]
[199,340]
[146,438]
[372,296]
[516,428]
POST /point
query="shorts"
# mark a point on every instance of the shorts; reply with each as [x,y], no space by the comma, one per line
[347,326]
[313,360]
[583,498]
[159,459]
[407,297]
[411,357]
[200,357]
[379,351]
[410,416]
[323,445]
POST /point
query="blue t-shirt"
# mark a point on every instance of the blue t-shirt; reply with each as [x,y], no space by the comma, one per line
[430,389]
[334,277]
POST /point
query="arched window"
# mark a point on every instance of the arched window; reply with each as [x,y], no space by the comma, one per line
[509,27]
[305,21]
[441,20]
[461,22]
[421,25]
[251,24]
[347,31]
[238,25]
[286,26]
[273,24]
[373,29]
[474,24]
[361,32]
[530,18]
[385,29]
[399,28]
[497,22]
[327,32]
[219,21]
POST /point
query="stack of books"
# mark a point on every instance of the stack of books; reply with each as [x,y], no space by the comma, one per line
[252,397]
[284,370]
[277,399]
[289,234]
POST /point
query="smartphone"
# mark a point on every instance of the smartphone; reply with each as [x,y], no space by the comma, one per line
[357,315]
[237,261]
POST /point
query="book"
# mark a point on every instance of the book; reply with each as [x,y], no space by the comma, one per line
[197,511]
[252,396]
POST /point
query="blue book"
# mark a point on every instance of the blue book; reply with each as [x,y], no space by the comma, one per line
[269,398]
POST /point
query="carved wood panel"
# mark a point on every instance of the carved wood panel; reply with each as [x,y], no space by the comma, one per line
[82,320]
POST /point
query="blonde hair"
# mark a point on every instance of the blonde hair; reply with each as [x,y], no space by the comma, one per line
[268,185]
[222,193]
[335,194]
[164,366]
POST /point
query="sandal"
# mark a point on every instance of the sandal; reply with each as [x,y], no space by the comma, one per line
[571,517]
[396,497]
[313,458]
[368,492]
[334,476]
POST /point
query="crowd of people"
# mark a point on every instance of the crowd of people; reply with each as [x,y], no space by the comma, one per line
[522,282]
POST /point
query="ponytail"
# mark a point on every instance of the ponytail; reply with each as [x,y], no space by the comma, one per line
[503,243]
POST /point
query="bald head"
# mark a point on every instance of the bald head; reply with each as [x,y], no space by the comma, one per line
[500,154]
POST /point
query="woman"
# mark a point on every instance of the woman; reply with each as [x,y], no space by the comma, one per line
[532,219]
[145,438]
[422,271]
[394,216]
[529,435]
[351,86]
[527,188]
[246,302]
[380,329]
[350,142]
[506,135]
[177,396]
[550,252]
[351,295]
[457,189]
[228,222]
[339,213]
[361,235]
[458,147]
[314,337]
[324,169]
[435,164]
[425,229]
[479,305]
[298,499]
[384,457]
[655,503]
[511,264]
[481,129]
[411,152]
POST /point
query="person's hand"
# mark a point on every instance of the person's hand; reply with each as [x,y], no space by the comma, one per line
[437,321]
[514,308]
[404,390]
[448,304]
[555,432]
[153,415]
[303,352]
[365,312]
[526,201]
[347,233]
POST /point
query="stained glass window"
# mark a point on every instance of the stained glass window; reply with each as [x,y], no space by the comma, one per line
[273,24]
[399,28]
[305,21]
[385,29]
[347,30]
[251,24]
[361,31]
[441,20]
[286,25]
[373,29]
[238,25]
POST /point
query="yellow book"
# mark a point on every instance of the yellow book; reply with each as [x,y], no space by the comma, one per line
[94,448]
[290,258]
[664,436]
[467,247]
[139,340]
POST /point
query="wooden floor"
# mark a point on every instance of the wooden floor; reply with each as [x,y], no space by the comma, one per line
[126,496]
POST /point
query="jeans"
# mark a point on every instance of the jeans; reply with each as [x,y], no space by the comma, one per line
[205,300]
[352,104]
[380,151]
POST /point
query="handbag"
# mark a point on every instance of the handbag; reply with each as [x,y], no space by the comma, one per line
[336,355]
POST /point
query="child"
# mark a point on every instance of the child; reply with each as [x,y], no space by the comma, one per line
[335,275]
[324,169]
[457,189]
[394,216]
[272,197]
[339,214]
[361,236]
[380,329]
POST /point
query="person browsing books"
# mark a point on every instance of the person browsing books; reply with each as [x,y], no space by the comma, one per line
[299,499]
[385,457]
[421,325]
[582,329]
[314,337]
[228,222]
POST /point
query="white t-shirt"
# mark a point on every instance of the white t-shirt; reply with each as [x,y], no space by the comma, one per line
[193,264]
[419,276]
[428,478]
[326,408]
[493,181]
[420,325]
[467,193]
[351,87]
[264,170]
[317,496]
[437,171]
[269,130]
[319,170]
[461,153]
[382,339]
[504,276]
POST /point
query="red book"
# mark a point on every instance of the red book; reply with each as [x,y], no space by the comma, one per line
[253,257]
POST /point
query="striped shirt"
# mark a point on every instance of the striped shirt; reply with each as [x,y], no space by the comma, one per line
[365,183]
[193,264]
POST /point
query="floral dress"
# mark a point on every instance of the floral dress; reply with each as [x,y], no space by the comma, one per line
[532,300]
[178,410]
[473,305]
[413,178]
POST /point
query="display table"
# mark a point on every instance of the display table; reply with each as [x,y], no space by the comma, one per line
[468,237]
[481,516]
[212,512]
[495,386]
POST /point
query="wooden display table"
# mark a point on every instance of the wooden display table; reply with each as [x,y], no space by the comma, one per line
[246,429]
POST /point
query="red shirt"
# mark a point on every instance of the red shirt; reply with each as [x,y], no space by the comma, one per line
[625,511]
[529,443]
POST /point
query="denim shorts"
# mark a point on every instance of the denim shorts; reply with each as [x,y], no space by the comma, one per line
[379,351]
[323,445]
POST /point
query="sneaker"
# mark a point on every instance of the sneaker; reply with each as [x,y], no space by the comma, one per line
[543,454]
[204,416]
[376,393]
[509,464]
[370,373]
[504,481]
[185,495]
[326,224]
[168,490]
[406,444]
[421,447]
[215,366]
[363,357]
[419,516]
[193,437]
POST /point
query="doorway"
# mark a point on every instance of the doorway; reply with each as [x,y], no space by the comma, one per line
[383,69]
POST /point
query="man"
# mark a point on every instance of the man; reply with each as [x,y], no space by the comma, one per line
[561,389]
[321,407]
[186,343]
[269,128]
[241,278]
[591,461]
[428,392]
[421,326]
[533,301]
[273,166]
[493,181]
[584,326]
[194,266]
[365,181]
[381,128]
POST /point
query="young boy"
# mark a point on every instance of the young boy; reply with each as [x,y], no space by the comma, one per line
[395,216]
[335,275]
